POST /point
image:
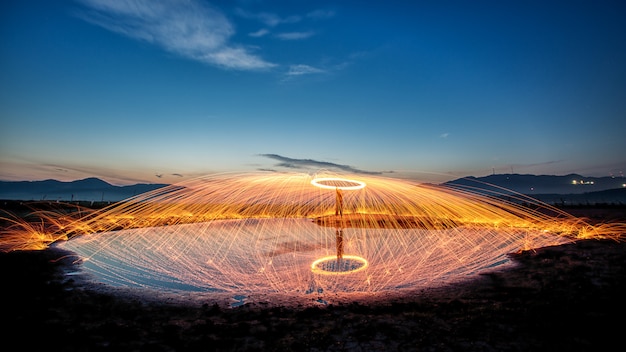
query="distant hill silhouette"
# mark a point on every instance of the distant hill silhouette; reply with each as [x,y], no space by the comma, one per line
[89,189]
[548,188]
[540,184]
[567,189]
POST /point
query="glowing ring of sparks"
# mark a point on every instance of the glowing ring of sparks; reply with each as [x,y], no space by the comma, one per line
[317,182]
[317,266]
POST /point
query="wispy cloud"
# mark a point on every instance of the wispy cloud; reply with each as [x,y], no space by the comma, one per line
[291,163]
[294,35]
[268,18]
[299,70]
[260,33]
[188,28]
[444,135]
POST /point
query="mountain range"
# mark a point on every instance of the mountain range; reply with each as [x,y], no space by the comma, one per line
[571,188]
[567,189]
[540,184]
[89,189]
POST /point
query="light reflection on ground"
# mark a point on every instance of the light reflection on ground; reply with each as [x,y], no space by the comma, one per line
[275,256]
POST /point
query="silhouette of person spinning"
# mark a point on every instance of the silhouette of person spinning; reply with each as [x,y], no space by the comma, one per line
[339,202]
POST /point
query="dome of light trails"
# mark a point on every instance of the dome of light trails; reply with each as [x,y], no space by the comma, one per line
[298,233]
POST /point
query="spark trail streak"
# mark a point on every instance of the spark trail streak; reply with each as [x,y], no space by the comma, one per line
[278,233]
[276,255]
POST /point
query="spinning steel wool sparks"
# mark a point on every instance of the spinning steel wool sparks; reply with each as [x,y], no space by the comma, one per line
[299,233]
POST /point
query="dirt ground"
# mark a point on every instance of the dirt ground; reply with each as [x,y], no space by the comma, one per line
[570,297]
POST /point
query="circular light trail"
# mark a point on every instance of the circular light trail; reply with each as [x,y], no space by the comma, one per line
[340,183]
[332,265]
[266,233]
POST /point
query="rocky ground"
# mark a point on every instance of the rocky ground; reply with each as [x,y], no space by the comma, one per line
[570,297]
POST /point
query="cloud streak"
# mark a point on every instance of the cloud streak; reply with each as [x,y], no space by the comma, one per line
[260,33]
[187,28]
[267,18]
[291,163]
[299,70]
[294,35]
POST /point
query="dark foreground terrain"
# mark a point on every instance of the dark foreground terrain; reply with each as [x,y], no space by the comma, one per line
[565,298]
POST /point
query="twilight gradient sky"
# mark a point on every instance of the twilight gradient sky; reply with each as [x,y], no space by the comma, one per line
[160,91]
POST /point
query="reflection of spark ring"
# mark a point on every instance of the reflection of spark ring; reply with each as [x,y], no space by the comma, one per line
[347,264]
[338,183]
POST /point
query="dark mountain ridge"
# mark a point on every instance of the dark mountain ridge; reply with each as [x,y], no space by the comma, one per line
[540,184]
[88,189]
[572,189]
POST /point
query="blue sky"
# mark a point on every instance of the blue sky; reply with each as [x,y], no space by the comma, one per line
[146,91]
